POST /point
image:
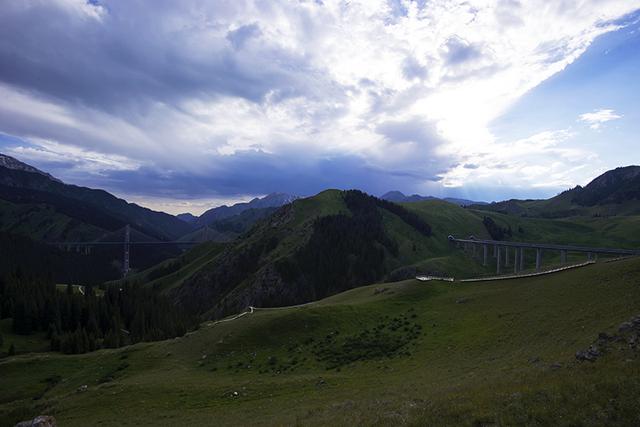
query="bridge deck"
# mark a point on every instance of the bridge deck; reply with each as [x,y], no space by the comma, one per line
[571,248]
[121,243]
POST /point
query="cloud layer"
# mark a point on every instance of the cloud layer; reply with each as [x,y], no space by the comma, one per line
[197,99]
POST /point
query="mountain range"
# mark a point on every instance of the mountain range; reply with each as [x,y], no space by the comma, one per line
[273,200]
[281,249]
[399,197]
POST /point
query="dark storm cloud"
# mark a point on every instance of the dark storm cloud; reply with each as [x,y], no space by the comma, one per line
[114,62]
[256,172]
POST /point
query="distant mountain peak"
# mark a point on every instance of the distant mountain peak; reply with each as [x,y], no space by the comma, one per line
[187,217]
[15,164]
[271,200]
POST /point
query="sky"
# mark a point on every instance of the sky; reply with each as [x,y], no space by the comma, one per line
[181,106]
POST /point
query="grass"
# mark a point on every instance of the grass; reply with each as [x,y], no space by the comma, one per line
[173,272]
[616,232]
[471,354]
[22,343]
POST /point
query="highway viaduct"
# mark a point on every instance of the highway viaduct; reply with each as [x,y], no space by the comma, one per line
[511,254]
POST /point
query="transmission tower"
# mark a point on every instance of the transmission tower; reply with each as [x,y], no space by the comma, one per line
[127,239]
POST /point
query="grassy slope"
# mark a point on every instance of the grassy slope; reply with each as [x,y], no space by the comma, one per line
[562,205]
[618,232]
[437,255]
[22,343]
[191,261]
[472,363]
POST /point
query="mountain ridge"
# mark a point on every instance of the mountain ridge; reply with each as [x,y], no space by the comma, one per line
[615,192]
[272,200]
[399,197]
[23,184]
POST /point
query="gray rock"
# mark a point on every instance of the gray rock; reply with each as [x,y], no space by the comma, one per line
[584,356]
[604,337]
[632,340]
[624,327]
[39,421]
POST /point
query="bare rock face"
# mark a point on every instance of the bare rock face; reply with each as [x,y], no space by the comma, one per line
[39,421]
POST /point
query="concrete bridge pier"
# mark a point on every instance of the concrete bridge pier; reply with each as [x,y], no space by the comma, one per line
[475,251]
[485,250]
[515,259]
[563,257]
[521,259]
[538,258]
[506,256]
[495,251]
[498,259]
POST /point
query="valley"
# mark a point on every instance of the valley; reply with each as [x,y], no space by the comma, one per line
[445,353]
[309,313]
[319,213]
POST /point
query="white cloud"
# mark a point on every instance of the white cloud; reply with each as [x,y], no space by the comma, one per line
[596,118]
[183,85]
[540,160]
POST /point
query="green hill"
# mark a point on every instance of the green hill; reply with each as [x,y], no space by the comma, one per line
[496,353]
[320,246]
[173,272]
[325,244]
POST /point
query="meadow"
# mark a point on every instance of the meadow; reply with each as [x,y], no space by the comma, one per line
[418,353]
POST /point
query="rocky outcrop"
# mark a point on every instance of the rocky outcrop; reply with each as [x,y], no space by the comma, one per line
[39,421]
[627,338]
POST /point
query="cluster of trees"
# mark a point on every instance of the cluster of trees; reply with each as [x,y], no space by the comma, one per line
[42,259]
[347,250]
[407,216]
[495,231]
[78,323]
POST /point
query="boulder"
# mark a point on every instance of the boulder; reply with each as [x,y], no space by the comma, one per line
[624,327]
[584,356]
[604,337]
[39,421]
